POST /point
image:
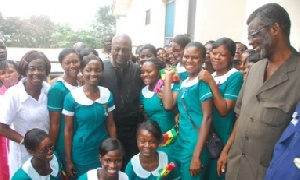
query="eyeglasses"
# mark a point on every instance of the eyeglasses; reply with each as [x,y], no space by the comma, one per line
[72,61]
[33,68]
[51,148]
[253,34]
[123,50]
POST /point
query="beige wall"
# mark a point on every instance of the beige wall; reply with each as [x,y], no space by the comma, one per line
[214,19]
[219,18]
[134,23]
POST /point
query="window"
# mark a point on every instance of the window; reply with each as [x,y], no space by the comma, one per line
[148,15]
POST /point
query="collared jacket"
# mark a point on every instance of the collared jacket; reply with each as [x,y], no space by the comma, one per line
[265,109]
[286,150]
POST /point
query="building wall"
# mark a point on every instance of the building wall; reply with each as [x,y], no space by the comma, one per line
[214,19]
[134,23]
[219,18]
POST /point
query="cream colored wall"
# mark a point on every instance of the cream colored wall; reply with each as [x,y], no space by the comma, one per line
[214,19]
[134,23]
[219,18]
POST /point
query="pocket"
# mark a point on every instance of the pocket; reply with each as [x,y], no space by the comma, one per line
[275,114]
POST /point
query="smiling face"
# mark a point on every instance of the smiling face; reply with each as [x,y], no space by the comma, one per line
[162,55]
[177,51]
[208,48]
[92,72]
[9,76]
[145,55]
[261,40]
[221,60]
[149,74]
[171,58]
[112,162]
[44,150]
[240,48]
[36,72]
[121,51]
[71,65]
[192,60]
[147,143]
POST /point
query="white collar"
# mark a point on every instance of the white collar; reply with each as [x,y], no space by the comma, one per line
[189,83]
[222,79]
[24,95]
[93,175]
[141,172]
[70,87]
[81,98]
[31,172]
[147,93]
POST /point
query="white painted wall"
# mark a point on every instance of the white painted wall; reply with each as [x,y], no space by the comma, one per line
[214,19]
[219,18]
[134,23]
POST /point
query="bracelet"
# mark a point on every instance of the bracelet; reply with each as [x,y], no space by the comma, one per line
[22,141]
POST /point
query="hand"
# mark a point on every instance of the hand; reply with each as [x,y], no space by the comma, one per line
[221,164]
[70,168]
[160,94]
[169,72]
[205,76]
[196,166]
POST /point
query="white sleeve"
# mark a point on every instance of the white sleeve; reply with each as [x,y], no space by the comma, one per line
[9,107]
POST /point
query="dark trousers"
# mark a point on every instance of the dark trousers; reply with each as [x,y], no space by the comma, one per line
[130,146]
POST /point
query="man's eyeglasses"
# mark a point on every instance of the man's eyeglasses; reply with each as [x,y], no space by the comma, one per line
[51,148]
[253,34]
[124,50]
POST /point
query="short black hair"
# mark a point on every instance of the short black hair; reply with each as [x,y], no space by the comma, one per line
[210,42]
[160,49]
[229,43]
[86,52]
[182,40]
[237,42]
[110,144]
[149,47]
[30,56]
[87,59]
[272,13]
[199,46]
[33,138]
[152,127]
[254,58]
[64,53]
[158,64]
[4,64]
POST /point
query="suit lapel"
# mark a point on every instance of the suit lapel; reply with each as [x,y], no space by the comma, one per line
[281,75]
